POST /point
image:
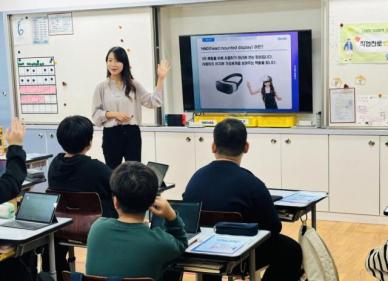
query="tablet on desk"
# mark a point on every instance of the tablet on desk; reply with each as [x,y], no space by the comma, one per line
[221,244]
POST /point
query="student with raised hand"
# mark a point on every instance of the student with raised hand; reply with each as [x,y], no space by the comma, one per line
[223,185]
[117,105]
[15,173]
[10,187]
[127,247]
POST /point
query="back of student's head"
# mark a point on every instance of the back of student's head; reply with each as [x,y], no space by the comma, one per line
[75,133]
[135,187]
[230,137]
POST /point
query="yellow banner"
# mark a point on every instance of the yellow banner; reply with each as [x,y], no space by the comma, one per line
[364,43]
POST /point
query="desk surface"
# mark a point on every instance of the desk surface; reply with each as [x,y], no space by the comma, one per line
[248,242]
[16,236]
[297,198]
[33,157]
[27,183]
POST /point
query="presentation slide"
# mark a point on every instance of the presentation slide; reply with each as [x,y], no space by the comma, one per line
[248,71]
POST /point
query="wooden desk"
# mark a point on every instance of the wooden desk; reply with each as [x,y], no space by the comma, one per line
[221,263]
[28,240]
[292,210]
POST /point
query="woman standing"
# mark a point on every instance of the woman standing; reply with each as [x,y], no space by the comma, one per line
[268,93]
[117,106]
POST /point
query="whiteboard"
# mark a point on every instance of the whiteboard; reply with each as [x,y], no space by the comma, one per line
[58,63]
[369,79]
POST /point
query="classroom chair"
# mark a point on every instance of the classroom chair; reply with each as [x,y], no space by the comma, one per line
[210,218]
[67,277]
[84,208]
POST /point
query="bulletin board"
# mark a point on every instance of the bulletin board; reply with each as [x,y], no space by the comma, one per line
[59,58]
[358,59]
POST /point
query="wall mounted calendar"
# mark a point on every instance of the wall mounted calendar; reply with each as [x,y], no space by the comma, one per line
[37,85]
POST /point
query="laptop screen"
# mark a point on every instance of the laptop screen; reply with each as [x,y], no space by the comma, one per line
[159,169]
[188,211]
[37,207]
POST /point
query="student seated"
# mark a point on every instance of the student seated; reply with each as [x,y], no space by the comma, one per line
[127,247]
[376,262]
[223,185]
[74,171]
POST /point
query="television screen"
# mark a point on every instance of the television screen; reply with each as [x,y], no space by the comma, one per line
[247,72]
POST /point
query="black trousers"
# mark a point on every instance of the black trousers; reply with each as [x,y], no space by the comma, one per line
[283,256]
[122,141]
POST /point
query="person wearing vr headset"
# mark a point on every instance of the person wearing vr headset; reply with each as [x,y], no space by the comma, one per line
[117,107]
[267,92]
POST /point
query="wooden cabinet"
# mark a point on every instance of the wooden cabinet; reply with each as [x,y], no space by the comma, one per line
[203,149]
[178,151]
[383,174]
[147,147]
[305,164]
[353,169]
[354,174]
[264,159]
[35,141]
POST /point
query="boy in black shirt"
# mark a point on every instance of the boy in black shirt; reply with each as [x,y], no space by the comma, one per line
[224,186]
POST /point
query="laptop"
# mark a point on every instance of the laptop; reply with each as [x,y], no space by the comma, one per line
[160,171]
[37,210]
[188,211]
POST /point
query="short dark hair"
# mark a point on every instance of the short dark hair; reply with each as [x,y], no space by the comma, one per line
[135,187]
[230,137]
[74,133]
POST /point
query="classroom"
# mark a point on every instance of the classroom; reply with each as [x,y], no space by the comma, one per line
[292,92]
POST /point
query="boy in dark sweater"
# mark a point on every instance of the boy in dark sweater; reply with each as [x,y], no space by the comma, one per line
[74,171]
[224,186]
[127,247]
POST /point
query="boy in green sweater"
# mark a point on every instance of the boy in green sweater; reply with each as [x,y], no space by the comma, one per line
[127,247]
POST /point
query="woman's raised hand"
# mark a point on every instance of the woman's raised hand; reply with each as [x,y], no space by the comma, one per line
[163,68]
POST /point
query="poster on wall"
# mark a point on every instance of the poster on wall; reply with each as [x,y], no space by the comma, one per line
[60,24]
[342,105]
[363,43]
[40,30]
[37,85]
[372,110]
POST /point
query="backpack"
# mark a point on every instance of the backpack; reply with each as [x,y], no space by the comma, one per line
[318,263]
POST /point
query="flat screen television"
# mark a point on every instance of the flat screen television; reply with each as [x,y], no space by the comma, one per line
[247,72]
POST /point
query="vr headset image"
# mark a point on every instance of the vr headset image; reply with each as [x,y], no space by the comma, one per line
[230,83]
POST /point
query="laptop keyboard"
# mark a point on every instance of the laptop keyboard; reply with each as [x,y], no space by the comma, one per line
[24,225]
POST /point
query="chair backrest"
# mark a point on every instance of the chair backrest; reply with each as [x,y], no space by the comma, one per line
[84,208]
[67,277]
[210,218]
